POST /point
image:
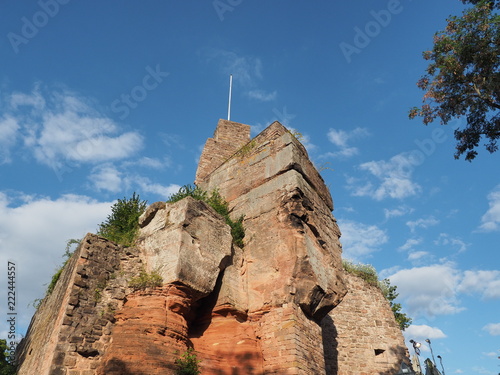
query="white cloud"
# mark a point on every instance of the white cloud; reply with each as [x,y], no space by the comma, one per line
[417,255]
[33,99]
[445,240]
[428,291]
[486,283]
[491,219]
[262,95]
[422,332]
[8,135]
[396,212]
[106,177]
[82,139]
[410,243]
[340,138]
[360,240]
[59,126]
[33,233]
[246,70]
[493,329]
[422,223]
[393,179]
[146,162]
[147,186]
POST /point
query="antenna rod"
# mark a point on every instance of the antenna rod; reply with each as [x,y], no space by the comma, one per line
[229,105]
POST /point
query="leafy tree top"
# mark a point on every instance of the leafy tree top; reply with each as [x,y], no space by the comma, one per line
[463,78]
[122,225]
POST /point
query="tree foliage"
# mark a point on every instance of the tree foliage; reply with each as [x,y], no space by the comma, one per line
[389,292]
[368,273]
[462,79]
[122,225]
[188,364]
[6,368]
[218,203]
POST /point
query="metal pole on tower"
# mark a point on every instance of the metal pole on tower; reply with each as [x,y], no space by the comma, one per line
[229,104]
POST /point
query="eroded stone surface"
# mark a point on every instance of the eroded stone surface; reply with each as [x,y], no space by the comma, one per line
[186,242]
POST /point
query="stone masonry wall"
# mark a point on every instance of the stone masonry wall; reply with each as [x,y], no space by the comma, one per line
[361,336]
[71,329]
[228,138]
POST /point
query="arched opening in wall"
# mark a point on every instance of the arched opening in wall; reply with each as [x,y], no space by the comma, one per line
[330,345]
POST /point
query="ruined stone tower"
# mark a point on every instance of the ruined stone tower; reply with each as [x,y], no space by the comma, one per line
[280,305]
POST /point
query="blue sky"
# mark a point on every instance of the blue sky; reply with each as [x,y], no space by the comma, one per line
[101,99]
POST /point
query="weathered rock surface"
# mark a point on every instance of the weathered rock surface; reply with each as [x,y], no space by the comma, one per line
[187,242]
[291,263]
[280,305]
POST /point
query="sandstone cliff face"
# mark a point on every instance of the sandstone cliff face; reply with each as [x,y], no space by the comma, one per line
[280,305]
[291,263]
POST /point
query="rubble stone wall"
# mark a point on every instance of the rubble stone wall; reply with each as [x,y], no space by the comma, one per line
[361,336]
[71,329]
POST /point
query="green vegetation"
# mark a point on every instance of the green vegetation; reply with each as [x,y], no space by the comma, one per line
[390,294]
[146,280]
[365,271]
[6,368]
[67,254]
[298,135]
[462,79]
[188,364]
[122,225]
[245,150]
[217,202]
[368,273]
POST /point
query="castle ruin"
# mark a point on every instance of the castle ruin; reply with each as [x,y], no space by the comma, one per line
[282,304]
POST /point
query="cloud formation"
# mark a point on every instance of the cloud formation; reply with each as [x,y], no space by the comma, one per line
[33,234]
[492,328]
[341,139]
[360,240]
[490,221]
[430,290]
[422,332]
[60,127]
[422,223]
[482,282]
[387,179]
